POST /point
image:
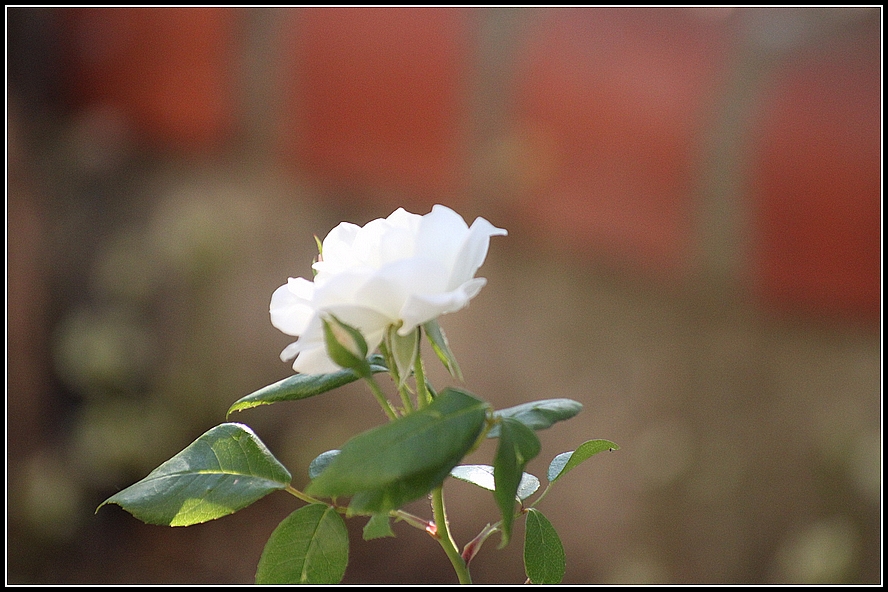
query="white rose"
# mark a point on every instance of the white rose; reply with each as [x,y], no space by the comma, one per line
[403,270]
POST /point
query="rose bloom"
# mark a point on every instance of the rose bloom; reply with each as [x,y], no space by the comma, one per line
[402,271]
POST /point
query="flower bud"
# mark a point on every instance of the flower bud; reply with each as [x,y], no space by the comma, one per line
[346,346]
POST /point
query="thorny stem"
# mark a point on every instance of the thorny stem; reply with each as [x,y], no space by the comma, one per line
[422,392]
[412,520]
[381,398]
[439,529]
[541,496]
[303,496]
[393,370]
[472,547]
[405,398]
[444,538]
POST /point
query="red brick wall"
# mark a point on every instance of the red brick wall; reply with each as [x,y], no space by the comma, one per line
[377,98]
[597,145]
[616,100]
[816,182]
[168,71]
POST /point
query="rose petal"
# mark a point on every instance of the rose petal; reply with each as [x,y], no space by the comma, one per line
[441,236]
[290,351]
[403,270]
[387,289]
[419,308]
[474,250]
[336,249]
[315,361]
[291,308]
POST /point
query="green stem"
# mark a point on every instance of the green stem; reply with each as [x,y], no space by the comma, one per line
[444,538]
[414,521]
[405,398]
[472,548]
[422,392]
[541,496]
[381,398]
[393,371]
[407,517]
[303,496]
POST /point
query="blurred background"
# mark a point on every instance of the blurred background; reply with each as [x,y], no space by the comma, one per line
[693,200]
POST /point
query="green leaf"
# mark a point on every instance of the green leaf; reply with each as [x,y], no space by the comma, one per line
[517,445]
[303,386]
[321,462]
[388,466]
[404,351]
[223,471]
[565,461]
[442,348]
[538,415]
[543,553]
[310,546]
[482,476]
[377,527]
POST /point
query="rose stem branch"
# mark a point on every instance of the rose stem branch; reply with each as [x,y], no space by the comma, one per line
[472,547]
[303,496]
[381,398]
[412,520]
[403,391]
[444,538]
[422,392]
